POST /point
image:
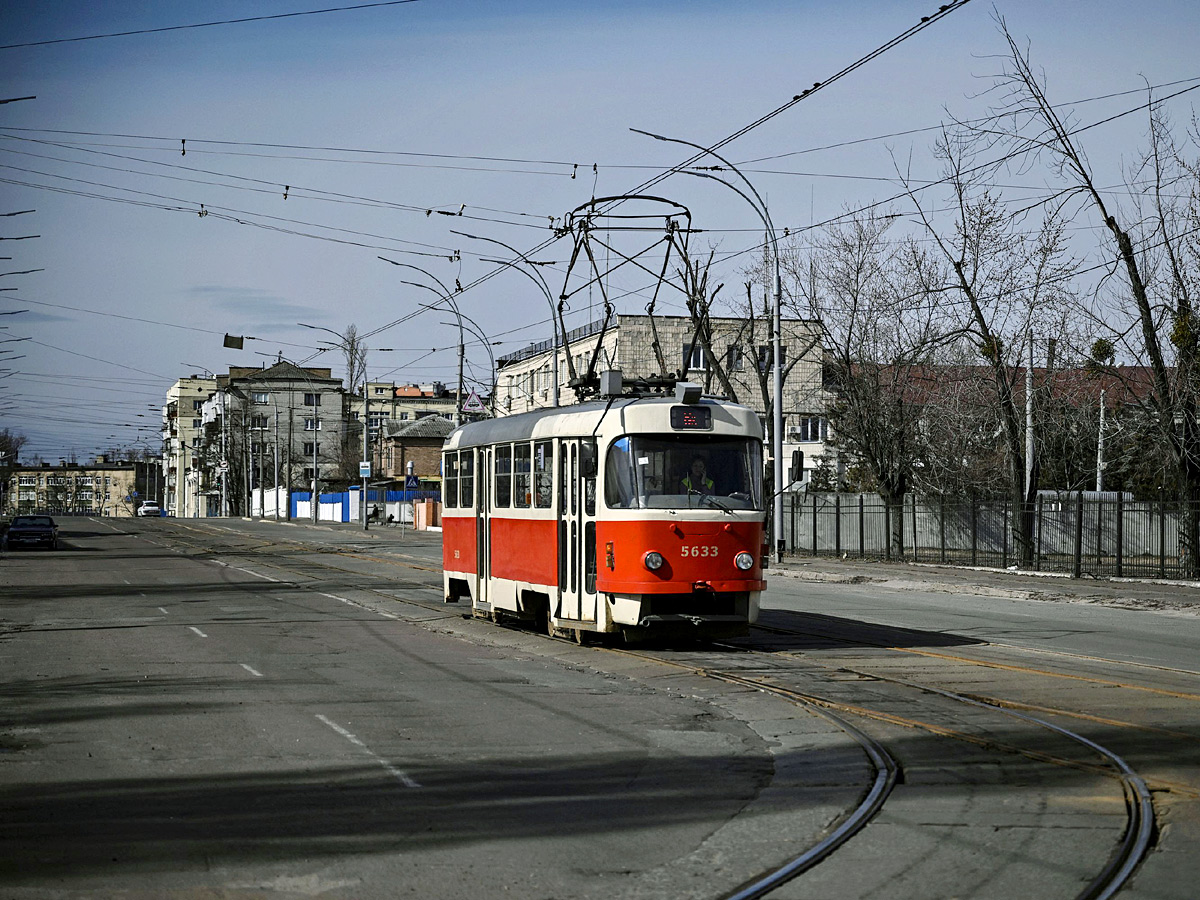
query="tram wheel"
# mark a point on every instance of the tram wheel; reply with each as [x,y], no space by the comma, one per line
[581,637]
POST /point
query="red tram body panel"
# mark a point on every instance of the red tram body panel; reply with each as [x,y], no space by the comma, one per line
[635,515]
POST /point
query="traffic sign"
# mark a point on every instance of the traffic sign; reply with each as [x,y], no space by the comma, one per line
[410,482]
[364,469]
[473,404]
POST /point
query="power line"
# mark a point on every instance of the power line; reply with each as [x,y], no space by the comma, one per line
[309,12]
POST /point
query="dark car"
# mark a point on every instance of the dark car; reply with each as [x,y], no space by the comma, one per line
[32,531]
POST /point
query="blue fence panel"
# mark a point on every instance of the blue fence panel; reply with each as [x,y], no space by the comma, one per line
[343,498]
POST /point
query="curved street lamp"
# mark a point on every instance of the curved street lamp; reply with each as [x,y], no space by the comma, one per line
[536,277]
[760,207]
[445,295]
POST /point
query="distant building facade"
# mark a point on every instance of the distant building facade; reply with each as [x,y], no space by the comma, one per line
[183,429]
[100,488]
[737,347]
[414,448]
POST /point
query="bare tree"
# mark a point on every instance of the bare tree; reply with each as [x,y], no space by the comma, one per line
[881,332]
[1010,283]
[356,358]
[1147,304]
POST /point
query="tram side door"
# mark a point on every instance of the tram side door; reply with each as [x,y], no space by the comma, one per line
[577,530]
[483,530]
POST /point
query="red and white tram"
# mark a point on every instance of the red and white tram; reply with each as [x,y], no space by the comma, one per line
[641,515]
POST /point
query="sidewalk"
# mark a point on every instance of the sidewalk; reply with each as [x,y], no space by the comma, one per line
[1125,593]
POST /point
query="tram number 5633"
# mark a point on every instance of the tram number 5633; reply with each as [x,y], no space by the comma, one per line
[702,550]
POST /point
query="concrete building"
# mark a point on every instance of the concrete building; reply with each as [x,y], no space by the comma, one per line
[101,488]
[387,402]
[239,443]
[414,448]
[738,349]
[183,428]
[279,429]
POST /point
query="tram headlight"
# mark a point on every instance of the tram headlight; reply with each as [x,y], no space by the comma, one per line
[744,561]
[653,561]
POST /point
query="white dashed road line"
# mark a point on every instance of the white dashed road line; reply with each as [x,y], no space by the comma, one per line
[398,774]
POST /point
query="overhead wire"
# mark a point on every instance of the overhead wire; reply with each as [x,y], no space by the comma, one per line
[241,21]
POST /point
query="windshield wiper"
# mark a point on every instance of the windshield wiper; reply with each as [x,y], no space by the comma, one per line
[712,500]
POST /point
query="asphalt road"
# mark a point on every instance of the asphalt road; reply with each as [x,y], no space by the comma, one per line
[240,709]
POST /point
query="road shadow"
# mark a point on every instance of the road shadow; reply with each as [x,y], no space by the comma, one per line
[789,630]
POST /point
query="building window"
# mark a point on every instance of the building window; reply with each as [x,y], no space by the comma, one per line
[734,360]
[84,480]
[308,474]
[84,495]
[693,356]
[809,428]
[310,447]
[197,423]
[261,397]
[27,479]
[380,390]
[312,424]
[197,405]
[258,422]
[312,399]
[766,357]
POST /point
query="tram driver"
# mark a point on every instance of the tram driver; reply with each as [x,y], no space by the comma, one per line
[696,481]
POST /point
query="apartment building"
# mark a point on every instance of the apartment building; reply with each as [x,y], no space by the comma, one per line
[101,488]
[183,429]
[386,403]
[732,359]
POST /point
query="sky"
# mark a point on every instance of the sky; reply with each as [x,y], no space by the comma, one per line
[244,177]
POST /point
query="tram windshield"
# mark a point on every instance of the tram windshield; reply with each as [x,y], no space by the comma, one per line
[668,472]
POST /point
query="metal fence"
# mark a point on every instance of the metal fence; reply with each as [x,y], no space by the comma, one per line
[1077,533]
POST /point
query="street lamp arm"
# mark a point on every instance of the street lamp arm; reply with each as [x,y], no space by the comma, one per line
[448,298]
[537,278]
[760,207]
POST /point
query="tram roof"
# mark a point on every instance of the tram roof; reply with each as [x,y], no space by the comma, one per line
[585,419]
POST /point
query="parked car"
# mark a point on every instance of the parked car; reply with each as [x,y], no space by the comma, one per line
[32,531]
[149,508]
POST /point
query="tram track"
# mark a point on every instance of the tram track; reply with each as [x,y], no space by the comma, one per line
[1135,841]
[1137,836]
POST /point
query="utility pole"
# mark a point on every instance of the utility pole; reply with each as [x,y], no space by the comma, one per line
[224,467]
[366,454]
[1029,420]
[1100,448]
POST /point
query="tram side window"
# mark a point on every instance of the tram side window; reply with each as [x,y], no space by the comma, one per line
[522,487]
[504,475]
[543,474]
[450,492]
[466,478]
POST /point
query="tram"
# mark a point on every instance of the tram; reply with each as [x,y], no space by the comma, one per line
[638,515]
